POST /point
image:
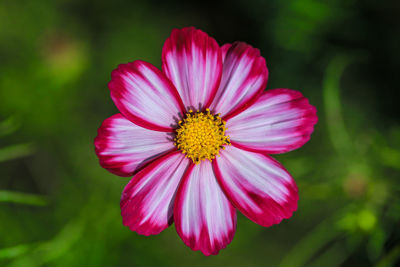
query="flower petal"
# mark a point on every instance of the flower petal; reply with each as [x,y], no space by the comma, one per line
[124,148]
[192,61]
[224,50]
[279,121]
[257,185]
[244,77]
[204,218]
[146,203]
[145,96]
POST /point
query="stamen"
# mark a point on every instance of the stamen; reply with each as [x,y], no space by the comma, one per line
[201,135]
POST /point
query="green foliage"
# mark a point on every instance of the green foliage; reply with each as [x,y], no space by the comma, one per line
[58,207]
[16,197]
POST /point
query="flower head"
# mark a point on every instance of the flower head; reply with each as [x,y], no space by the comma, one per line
[201,135]
[195,137]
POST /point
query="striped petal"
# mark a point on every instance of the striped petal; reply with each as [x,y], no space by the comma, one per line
[281,120]
[257,185]
[204,218]
[192,61]
[145,96]
[146,203]
[244,77]
[224,50]
[124,148]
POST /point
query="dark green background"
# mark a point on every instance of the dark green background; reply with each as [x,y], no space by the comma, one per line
[58,207]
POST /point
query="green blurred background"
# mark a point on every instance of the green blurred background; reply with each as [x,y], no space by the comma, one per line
[58,207]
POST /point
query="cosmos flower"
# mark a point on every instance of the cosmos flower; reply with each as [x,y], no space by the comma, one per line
[196,138]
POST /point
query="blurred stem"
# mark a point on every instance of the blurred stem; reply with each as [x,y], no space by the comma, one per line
[13,252]
[390,258]
[304,250]
[333,107]
[335,255]
[16,151]
[52,249]
[22,198]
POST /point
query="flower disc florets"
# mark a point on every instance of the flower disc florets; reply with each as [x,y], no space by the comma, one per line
[201,135]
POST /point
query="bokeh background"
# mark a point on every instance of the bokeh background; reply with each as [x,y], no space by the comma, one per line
[58,207]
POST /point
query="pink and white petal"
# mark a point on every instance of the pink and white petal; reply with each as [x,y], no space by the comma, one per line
[257,185]
[145,96]
[244,77]
[123,147]
[204,217]
[224,50]
[147,200]
[192,61]
[281,120]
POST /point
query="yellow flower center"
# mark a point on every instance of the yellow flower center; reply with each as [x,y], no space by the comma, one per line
[201,135]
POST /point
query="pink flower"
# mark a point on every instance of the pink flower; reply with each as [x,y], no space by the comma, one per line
[195,136]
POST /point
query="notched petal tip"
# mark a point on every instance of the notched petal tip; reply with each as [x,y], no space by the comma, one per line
[147,200]
[204,218]
[119,154]
[145,96]
[281,120]
[257,185]
[244,78]
[192,60]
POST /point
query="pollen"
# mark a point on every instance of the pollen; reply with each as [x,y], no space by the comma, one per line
[201,135]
